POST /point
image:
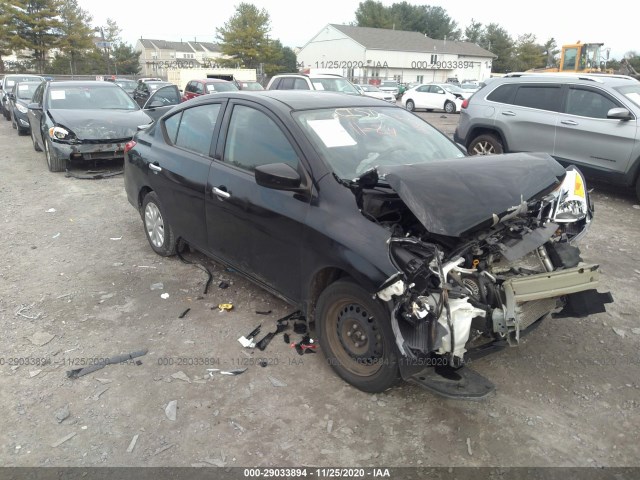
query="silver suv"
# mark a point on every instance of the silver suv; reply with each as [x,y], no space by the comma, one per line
[318,81]
[590,121]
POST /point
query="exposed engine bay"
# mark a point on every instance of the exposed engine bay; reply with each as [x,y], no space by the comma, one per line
[489,283]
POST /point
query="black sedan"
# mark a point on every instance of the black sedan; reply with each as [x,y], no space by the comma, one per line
[406,255]
[84,121]
[19,99]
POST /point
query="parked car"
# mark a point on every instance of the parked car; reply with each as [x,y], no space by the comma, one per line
[82,121]
[195,88]
[19,99]
[431,96]
[390,86]
[375,92]
[318,81]
[127,85]
[6,85]
[470,88]
[145,89]
[247,85]
[457,91]
[587,120]
[401,251]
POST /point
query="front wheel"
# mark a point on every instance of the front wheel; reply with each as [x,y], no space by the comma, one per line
[356,337]
[54,163]
[485,145]
[411,106]
[156,227]
[638,188]
[36,147]
[449,107]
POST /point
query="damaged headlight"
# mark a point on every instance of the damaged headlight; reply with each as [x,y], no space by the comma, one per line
[61,134]
[572,203]
[22,108]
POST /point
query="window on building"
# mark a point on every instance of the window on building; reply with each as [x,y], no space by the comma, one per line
[420,78]
[434,59]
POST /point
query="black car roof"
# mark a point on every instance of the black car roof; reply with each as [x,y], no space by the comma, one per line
[299,99]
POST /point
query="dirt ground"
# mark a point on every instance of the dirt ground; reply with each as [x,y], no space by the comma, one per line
[76,285]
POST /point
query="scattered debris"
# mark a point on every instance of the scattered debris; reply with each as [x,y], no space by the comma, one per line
[93,174]
[282,326]
[21,308]
[56,235]
[469,446]
[263,363]
[237,371]
[619,331]
[116,238]
[62,414]
[171,410]
[300,328]
[63,296]
[637,207]
[63,439]
[117,264]
[162,449]
[34,373]
[215,462]
[223,285]
[181,376]
[263,312]
[306,345]
[96,395]
[41,338]
[104,380]
[287,339]
[201,267]
[237,426]
[247,341]
[275,382]
[79,372]
[329,426]
[157,286]
[132,444]
[183,314]
[164,296]
[107,296]
[225,306]
[51,210]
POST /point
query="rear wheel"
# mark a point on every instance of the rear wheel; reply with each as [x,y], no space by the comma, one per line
[355,336]
[486,144]
[449,107]
[156,227]
[54,163]
[411,106]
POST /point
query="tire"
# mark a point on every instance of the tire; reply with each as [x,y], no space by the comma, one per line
[14,125]
[369,362]
[55,164]
[486,144]
[410,106]
[449,107]
[36,147]
[156,227]
[22,132]
[638,188]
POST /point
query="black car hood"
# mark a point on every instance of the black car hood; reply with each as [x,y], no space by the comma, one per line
[451,197]
[100,124]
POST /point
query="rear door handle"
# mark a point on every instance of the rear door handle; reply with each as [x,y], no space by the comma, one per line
[509,113]
[568,122]
[221,193]
[154,167]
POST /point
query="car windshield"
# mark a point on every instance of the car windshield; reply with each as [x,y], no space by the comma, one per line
[155,86]
[469,86]
[11,81]
[90,97]
[127,84]
[251,86]
[370,88]
[221,87]
[452,88]
[632,92]
[26,90]
[335,85]
[389,84]
[355,139]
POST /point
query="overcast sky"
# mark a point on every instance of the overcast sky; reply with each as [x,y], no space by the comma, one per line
[567,22]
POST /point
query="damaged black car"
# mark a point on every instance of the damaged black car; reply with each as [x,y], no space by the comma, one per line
[406,256]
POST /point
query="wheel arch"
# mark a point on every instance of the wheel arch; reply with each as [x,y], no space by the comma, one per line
[478,130]
[141,194]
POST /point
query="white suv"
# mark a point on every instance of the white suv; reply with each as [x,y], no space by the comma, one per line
[320,81]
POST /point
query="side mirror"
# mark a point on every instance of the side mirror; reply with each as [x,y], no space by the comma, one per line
[619,114]
[154,104]
[35,107]
[11,96]
[278,176]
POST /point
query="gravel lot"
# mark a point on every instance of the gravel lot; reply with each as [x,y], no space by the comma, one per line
[75,285]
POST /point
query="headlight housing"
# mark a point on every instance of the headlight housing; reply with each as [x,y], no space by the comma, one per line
[22,108]
[572,203]
[61,134]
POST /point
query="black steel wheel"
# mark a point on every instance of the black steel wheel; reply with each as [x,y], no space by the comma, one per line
[356,337]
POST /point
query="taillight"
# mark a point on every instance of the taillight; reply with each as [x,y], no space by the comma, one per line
[465,104]
[129,145]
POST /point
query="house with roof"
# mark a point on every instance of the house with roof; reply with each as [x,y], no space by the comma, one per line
[159,56]
[365,55]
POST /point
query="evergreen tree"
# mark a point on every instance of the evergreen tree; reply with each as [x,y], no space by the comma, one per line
[76,33]
[37,29]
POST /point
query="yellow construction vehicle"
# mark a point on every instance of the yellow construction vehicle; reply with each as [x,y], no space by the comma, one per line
[579,58]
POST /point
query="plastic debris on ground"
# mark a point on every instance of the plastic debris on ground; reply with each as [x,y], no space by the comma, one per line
[79,372]
[164,296]
[171,410]
[225,307]
[247,342]
[157,286]
[306,345]
[183,314]
[223,285]
[201,267]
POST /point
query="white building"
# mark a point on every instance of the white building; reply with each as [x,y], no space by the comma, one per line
[157,57]
[364,54]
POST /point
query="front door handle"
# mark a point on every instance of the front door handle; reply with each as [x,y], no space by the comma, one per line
[221,193]
[154,167]
[509,113]
[569,122]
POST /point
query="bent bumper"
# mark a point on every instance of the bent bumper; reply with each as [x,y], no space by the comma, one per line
[89,151]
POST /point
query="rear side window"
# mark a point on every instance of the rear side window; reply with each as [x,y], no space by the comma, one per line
[195,131]
[171,127]
[503,94]
[276,82]
[542,97]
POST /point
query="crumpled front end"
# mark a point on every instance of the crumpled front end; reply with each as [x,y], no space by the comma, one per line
[452,297]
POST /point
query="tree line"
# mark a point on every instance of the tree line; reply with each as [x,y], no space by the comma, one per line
[34,28]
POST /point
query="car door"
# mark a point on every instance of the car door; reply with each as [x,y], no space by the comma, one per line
[35,115]
[180,166]
[161,101]
[585,136]
[420,96]
[141,94]
[254,228]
